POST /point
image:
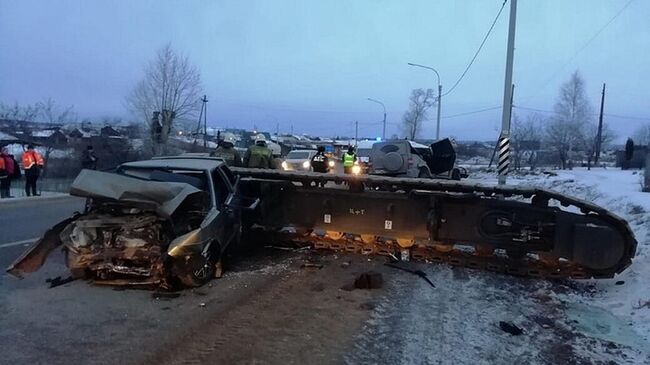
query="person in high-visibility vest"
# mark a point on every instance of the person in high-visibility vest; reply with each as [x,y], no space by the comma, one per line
[32,164]
[349,158]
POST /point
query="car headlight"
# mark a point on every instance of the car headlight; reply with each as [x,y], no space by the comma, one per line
[356,169]
[331,163]
[306,164]
[284,165]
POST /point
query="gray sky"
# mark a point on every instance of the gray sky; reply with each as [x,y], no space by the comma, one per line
[312,64]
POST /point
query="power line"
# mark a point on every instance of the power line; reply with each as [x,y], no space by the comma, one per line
[605,114]
[471,112]
[478,50]
[557,72]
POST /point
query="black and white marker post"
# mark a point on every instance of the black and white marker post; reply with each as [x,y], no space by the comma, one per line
[504,138]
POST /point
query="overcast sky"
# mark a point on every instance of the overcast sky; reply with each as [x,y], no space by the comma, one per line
[312,64]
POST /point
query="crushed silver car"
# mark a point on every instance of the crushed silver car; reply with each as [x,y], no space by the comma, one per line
[160,222]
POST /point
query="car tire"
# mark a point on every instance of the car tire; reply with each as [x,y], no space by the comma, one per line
[455,174]
[193,271]
[393,162]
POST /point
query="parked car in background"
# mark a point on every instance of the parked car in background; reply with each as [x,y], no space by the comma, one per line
[298,160]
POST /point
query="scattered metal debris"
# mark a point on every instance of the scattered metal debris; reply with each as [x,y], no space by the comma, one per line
[57,281]
[164,295]
[511,328]
[311,265]
[620,282]
[419,273]
[641,304]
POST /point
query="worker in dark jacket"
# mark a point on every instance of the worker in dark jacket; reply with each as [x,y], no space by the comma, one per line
[227,151]
[320,162]
[258,155]
[89,160]
[7,172]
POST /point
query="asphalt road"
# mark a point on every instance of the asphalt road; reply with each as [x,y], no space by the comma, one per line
[23,219]
[270,308]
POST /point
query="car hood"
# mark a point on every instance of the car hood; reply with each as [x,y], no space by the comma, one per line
[164,197]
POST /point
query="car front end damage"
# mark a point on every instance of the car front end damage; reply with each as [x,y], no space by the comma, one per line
[133,232]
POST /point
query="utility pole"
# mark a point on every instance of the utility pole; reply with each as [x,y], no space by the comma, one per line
[439,94]
[205,121]
[292,129]
[439,107]
[356,132]
[599,136]
[383,133]
[504,138]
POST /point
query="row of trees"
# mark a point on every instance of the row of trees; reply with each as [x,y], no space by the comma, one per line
[47,111]
[569,132]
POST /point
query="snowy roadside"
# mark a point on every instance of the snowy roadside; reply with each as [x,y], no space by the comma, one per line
[613,309]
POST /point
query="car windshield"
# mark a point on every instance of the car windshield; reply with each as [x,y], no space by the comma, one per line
[298,155]
[363,152]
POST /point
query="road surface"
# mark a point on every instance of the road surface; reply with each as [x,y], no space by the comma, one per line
[268,308]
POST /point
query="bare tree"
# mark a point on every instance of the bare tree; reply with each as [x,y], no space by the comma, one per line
[526,137]
[591,136]
[27,113]
[565,130]
[54,114]
[420,102]
[170,90]
[642,135]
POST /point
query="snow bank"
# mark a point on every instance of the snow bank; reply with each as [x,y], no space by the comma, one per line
[620,192]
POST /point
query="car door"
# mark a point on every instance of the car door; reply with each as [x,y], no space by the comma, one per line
[228,221]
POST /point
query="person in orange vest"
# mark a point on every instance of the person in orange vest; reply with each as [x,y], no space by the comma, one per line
[32,164]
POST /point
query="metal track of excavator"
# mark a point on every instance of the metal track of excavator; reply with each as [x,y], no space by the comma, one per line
[508,229]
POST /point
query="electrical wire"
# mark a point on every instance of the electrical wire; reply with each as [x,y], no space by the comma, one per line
[471,112]
[604,114]
[557,72]
[478,50]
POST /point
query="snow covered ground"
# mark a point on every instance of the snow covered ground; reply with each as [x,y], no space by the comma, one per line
[616,310]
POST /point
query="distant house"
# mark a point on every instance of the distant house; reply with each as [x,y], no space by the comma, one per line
[109,131]
[49,137]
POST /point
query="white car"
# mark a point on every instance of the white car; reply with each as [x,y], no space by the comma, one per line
[298,160]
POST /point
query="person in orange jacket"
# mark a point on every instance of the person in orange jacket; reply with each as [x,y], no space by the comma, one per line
[32,164]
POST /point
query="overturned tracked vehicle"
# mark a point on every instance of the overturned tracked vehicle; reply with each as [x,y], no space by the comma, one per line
[170,220]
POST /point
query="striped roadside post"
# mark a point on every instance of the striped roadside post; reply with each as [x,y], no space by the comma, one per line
[504,158]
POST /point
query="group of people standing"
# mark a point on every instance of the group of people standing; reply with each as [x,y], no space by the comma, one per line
[260,156]
[257,156]
[10,170]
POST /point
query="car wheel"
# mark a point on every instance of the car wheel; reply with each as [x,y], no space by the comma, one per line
[455,174]
[193,271]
